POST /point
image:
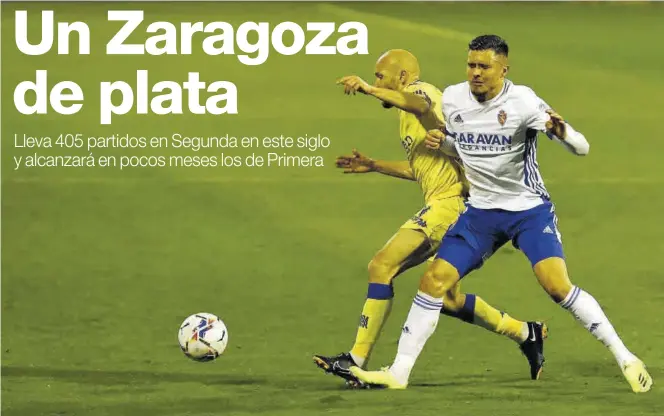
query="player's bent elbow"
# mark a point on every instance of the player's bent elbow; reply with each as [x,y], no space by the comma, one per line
[419,107]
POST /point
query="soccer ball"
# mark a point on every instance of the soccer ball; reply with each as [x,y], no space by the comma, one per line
[203,337]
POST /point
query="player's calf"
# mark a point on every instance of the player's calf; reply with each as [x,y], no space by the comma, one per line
[473,309]
[552,276]
[376,308]
[405,249]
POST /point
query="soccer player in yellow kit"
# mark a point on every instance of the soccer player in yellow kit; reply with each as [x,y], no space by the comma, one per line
[441,180]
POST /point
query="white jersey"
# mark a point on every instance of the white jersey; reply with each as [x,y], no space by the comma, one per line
[497,142]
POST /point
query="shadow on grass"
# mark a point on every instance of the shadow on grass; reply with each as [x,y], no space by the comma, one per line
[112,377]
[467,380]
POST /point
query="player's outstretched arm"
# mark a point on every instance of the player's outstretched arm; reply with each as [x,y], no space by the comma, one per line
[398,169]
[358,163]
[406,101]
[410,102]
[559,130]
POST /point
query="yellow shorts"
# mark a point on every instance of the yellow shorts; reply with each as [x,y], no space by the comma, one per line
[436,218]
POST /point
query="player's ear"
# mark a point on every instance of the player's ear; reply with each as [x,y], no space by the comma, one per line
[403,76]
[506,69]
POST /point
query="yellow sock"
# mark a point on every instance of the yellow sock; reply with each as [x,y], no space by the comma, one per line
[374,315]
[475,310]
[486,315]
[512,328]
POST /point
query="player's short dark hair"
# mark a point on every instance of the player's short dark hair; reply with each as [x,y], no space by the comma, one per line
[493,42]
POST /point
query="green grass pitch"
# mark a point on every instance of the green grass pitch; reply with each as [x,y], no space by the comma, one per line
[100,266]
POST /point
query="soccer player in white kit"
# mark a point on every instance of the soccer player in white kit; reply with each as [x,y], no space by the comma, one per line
[492,125]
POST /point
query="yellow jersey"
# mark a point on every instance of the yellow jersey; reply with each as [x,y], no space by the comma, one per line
[439,175]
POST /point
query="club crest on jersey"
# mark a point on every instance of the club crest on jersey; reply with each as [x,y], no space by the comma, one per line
[502,117]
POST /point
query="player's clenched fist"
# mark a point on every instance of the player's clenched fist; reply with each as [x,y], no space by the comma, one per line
[355,163]
[556,125]
[434,139]
[353,84]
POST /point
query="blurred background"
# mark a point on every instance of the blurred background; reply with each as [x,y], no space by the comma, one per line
[100,266]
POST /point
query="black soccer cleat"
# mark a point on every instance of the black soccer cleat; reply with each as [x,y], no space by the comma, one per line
[339,365]
[533,348]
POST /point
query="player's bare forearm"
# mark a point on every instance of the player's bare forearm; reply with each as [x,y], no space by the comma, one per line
[400,169]
[412,103]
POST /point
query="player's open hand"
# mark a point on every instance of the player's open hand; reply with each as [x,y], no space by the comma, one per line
[353,84]
[355,163]
[556,125]
[434,139]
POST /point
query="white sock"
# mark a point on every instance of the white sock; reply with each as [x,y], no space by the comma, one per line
[358,360]
[525,333]
[420,324]
[586,310]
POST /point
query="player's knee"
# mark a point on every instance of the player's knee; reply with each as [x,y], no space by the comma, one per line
[439,278]
[381,270]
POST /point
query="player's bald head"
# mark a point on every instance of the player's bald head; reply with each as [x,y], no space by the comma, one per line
[397,61]
[396,69]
